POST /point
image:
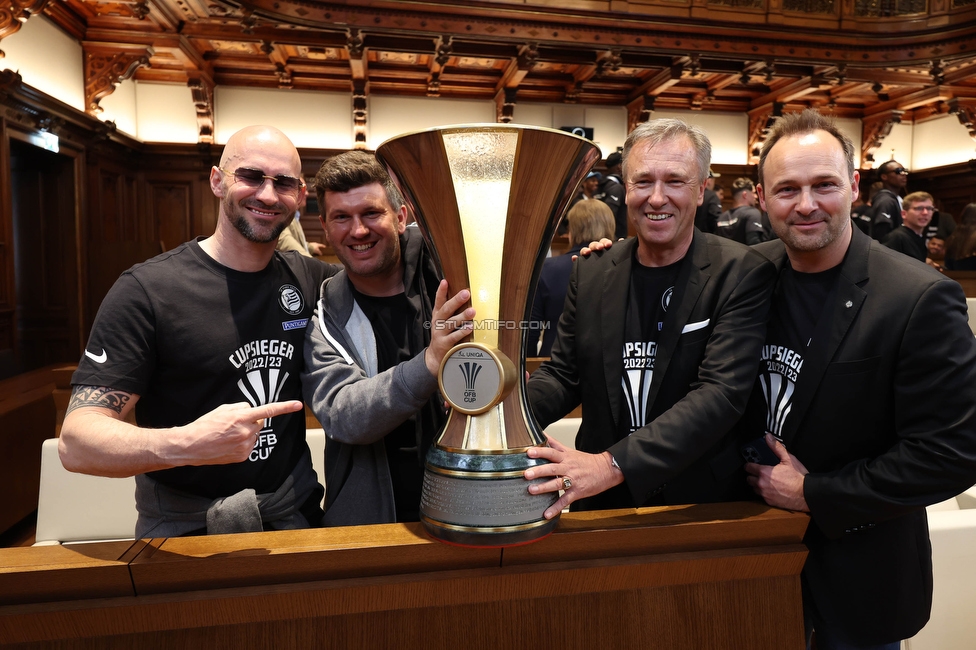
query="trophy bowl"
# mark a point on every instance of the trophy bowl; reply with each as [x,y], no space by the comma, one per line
[488,198]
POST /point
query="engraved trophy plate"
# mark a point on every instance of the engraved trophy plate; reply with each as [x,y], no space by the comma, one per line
[488,199]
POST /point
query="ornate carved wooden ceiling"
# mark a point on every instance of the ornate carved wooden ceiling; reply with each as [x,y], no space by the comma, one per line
[883,61]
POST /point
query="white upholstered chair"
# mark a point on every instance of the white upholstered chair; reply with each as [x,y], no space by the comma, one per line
[80,508]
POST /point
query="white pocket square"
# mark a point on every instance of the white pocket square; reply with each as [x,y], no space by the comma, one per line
[691,327]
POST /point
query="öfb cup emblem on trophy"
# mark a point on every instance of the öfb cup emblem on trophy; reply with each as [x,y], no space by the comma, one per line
[488,199]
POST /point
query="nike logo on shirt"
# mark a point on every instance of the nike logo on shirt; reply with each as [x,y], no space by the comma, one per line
[97,358]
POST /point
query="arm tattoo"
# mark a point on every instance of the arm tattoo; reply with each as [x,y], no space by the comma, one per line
[101,396]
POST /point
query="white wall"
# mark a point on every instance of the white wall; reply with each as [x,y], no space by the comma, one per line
[392,116]
[47,59]
[728,133]
[165,113]
[120,107]
[310,119]
[897,146]
[851,127]
[942,141]
[609,123]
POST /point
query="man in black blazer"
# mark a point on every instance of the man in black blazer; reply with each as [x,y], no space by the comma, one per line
[659,341]
[867,392]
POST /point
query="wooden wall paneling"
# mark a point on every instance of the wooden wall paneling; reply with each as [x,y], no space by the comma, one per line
[204,218]
[118,235]
[46,250]
[27,419]
[7,275]
[170,205]
[82,219]
[188,167]
[952,186]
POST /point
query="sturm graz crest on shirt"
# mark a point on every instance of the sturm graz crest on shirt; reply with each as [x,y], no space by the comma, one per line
[290,299]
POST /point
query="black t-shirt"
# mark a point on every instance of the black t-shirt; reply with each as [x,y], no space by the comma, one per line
[187,334]
[799,314]
[651,290]
[904,240]
[397,340]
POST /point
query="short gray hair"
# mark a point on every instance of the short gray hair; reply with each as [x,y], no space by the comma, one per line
[658,131]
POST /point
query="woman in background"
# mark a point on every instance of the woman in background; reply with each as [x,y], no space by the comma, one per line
[960,248]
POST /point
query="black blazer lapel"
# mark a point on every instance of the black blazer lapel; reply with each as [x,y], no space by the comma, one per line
[691,281]
[613,311]
[847,302]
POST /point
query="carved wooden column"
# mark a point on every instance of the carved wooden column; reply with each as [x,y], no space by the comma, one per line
[761,119]
[360,85]
[639,111]
[14,13]
[442,55]
[202,89]
[507,87]
[505,105]
[965,112]
[640,104]
[106,66]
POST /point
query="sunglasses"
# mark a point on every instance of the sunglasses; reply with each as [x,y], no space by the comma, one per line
[255,178]
[899,171]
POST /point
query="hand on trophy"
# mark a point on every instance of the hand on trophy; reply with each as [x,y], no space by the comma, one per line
[449,326]
[578,473]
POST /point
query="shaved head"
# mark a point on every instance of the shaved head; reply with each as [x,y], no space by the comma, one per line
[255,209]
[259,138]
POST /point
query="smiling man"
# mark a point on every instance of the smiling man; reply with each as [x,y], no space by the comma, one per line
[380,331]
[866,393]
[909,237]
[659,341]
[205,343]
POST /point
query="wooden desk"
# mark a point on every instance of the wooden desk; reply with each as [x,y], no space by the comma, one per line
[716,576]
[35,574]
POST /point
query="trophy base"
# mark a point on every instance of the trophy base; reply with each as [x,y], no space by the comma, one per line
[479,537]
[483,500]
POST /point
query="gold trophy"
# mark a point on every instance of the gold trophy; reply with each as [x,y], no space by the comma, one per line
[488,199]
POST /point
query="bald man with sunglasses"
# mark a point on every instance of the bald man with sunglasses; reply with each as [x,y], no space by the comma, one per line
[204,343]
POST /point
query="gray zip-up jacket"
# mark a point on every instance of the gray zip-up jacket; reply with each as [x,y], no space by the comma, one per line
[358,406]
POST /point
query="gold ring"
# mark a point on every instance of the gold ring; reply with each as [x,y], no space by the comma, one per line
[567,482]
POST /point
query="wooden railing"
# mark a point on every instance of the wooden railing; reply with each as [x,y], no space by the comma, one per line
[715,576]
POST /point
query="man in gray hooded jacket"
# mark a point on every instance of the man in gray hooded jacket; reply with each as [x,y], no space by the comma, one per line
[373,349]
